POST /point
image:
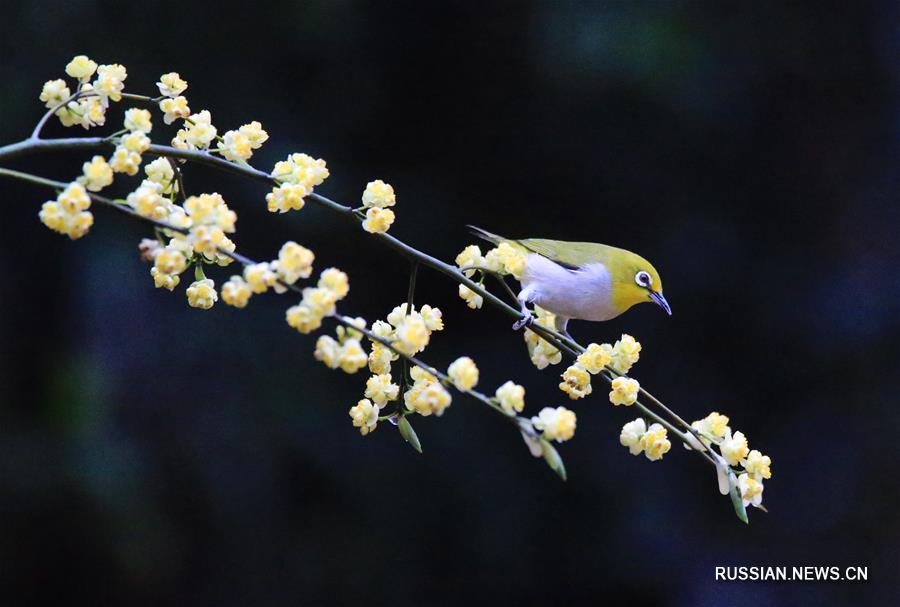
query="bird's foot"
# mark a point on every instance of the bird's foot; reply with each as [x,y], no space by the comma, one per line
[526,321]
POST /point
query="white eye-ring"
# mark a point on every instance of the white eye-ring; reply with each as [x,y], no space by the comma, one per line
[643,279]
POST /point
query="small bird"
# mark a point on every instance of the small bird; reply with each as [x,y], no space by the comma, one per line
[581,280]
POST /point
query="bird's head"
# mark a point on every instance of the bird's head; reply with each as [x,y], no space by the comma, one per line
[635,281]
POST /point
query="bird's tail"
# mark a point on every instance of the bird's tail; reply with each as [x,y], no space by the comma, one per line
[485,234]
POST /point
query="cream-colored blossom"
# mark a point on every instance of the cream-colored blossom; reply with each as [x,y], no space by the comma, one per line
[463,373]
[211,209]
[96,174]
[55,92]
[202,294]
[378,220]
[505,259]
[110,82]
[757,465]
[625,353]
[236,292]
[125,161]
[254,134]
[171,259]
[235,146]
[381,389]
[286,197]
[734,448]
[751,490]
[148,201]
[199,131]
[303,318]
[655,442]
[81,67]
[624,391]
[470,257]
[301,169]
[174,109]
[161,280]
[595,358]
[380,358]
[260,277]
[321,301]
[427,397]
[294,262]
[556,424]
[631,436]
[545,354]
[328,351]
[365,416]
[715,424]
[137,119]
[576,382]
[352,357]
[433,317]
[412,335]
[335,281]
[171,85]
[68,214]
[511,397]
[472,299]
[379,194]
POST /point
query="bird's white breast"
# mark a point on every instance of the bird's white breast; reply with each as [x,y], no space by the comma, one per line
[585,293]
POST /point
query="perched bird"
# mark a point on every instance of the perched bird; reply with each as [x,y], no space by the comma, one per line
[581,280]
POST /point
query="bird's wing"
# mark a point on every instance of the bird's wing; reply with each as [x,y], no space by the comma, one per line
[569,254]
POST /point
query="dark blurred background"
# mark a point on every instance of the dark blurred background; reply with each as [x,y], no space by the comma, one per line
[151,453]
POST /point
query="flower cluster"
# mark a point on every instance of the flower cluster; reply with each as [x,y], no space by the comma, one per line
[407,332]
[345,352]
[555,424]
[68,214]
[376,199]
[317,303]
[576,380]
[753,467]
[297,176]
[427,396]
[652,442]
[541,351]
[87,107]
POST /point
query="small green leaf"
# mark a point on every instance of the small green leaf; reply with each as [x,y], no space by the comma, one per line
[553,459]
[198,272]
[736,500]
[408,434]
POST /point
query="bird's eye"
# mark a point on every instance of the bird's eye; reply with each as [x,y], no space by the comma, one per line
[643,279]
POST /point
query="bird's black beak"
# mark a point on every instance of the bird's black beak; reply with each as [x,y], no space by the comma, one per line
[658,298]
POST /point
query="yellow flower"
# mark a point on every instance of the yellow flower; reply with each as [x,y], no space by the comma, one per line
[734,448]
[433,317]
[303,318]
[286,197]
[352,357]
[255,134]
[472,299]
[235,146]
[751,490]
[556,424]
[97,174]
[758,465]
[655,442]
[320,301]
[171,85]
[174,109]
[171,259]
[68,214]
[714,424]
[625,353]
[211,209]
[545,354]
[81,67]
[380,358]
[624,391]
[110,81]
[365,416]
[160,171]
[378,220]
[136,142]
[125,161]
[161,280]
[412,335]
[595,358]
[138,120]
[55,92]
[511,398]
[294,262]
[576,382]
[631,436]
[427,397]
[206,239]
[505,259]
[199,132]
[202,294]
[379,194]
[328,351]
[148,202]
[301,169]
[463,373]
[260,277]
[236,292]
[335,281]
[470,257]
[420,375]
[381,389]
